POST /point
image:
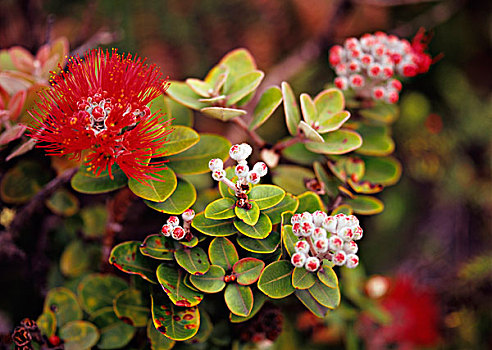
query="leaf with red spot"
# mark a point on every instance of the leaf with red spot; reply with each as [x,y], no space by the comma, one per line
[176,323]
[194,260]
[171,280]
[158,247]
[126,256]
[248,270]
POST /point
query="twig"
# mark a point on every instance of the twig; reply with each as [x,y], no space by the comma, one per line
[336,203]
[280,146]
[257,139]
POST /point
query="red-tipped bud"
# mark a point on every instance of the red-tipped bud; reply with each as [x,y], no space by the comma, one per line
[253,177]
[378,92]
[335,243]
[356,81]
[178,233]
[318,217]
[312,264]
[321,245]
[350,247]
[307,229]
[261,168]
[330,224]
[302,247]
[241,170]
[173,221]
[296,228]
[218,174]
[395,84]
[341,83]
[298,259]
[319,233]
[188,215]
[216,164]
[339,258]
[167,229]
[352,261]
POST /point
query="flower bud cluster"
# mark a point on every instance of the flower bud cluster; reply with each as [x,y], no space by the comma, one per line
[325,237]
[239,153]
[172,227]
[370,64]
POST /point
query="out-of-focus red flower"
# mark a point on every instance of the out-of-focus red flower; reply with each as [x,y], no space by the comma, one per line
[414,318]
[99,105]
[419,44]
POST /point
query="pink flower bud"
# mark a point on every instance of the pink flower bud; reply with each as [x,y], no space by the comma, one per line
[218,174]
[346,233]
[296,228]
[374,70]
[173,221]
[319,233]
[350,247]
[392,96]
[330,224]
[357,233]
[246,150]
[312,264]
[178,233]
[378,92]
[351,43]
[253,177]
[307,228]
[335,243]
[339,258]
[355,53]
[306,217]
[261,168]
[321,245]
[298,259]
[341,69]
[387,71]
[166,230]
[366,60]
[352,261]
[295,218]
[334,57]
[302,247]
[353,221]
[236,153]
[188,215]
[356,81]
[409,70]
[395,84]
[354,66]
[241,170]
[341,83]
[318,217]
[216,164]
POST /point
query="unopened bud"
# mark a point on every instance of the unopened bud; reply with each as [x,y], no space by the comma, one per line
[253,177]
[339,258]
[302,247]
[241,170]
[321,245]
[216,164]
[261,168]
[218,174]
[298,259]
[312,264]
[178,233]
[166,230]
[336,243]
[352,261]
[173,221]
[188,215]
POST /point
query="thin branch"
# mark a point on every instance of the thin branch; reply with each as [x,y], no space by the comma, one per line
[280,146]
[257,139]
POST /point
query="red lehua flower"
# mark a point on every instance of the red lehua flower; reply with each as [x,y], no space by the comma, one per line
[419,43]
[99,105]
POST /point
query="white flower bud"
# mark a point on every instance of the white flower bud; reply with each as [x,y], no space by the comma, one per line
[246,150]
[321,245]
[295,218]
[346,233]
[178,233]
[166,230]
[350,247]
[218,174]
[188,215]
[298,259]
[352,261]
[173,221]
[307,229]
[319,233]
[312,264]
[318,217]
[296,228]
[306,217]
[261,168]
[330,224]
[336,243]
[241,170]
[253,177]
[216,164]
[236,153]
[339,258]
[302,247]
[357,233]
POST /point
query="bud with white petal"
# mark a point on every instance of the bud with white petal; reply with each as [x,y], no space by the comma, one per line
[173,221]
[166,230]
[346,233]
[319,233]
[178,233]
[216,164]
[246,150]
[296,228]
[295,218]
[302,246]
[336,243]
[307,229]
[321,245]
[261,168]
[241,170]
[352,261]
[218,174]
[330,224]
[236,153]
[306,217]
[318,217]
[339,258]
[298,259]
[350,247]
[312,264]
[357,233]
[253,177]
[188,215]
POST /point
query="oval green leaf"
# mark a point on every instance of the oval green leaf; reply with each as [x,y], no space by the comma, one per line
[308,109]
[179,140]
[239,299]
[222,208]
[126,256]
[288,203]
[201,87]
[222,113]
[260,230]
[158,247]
[63,303]
[377,140]
[258,302]
[337,142]
[96,291]
[210,282]
[268,103]
[326,296]
[22,182]
[266,196]
[263,246]
[85,182]
[332,122]
[223,253]
[243,86]
[248,216]
[79,335]
[329,102]
[310,133]
[115,334]
[291,178]
[182,93]
[312,304]
[130,307]
[365,205]
[154,190]
[276,279]
[181,199]
[157,340]
[302,278]
[171,280]
[291,109]
[310,202]
[248,270]
[289,239]
[382,170]
[193,260]
[217,228]
[327,276]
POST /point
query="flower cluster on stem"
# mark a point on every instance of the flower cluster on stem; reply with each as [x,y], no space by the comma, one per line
[325,237]
[172,227]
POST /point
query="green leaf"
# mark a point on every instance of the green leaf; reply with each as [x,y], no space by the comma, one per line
[329,102]
[289,239]
[85,182]
[299,154]
[195,160]
[275,280]
[382,112]
[238,62]
[206,328]
[288,203]
[191,243]
[211,282]
[64,203]
[193,260]
[326,296]
[268,103]
[332,123]
[22,182]
[216,76]
[217,228]
[95,219]
[310,133]
[243,86]
[179,140]
[365,187]
[312,304]
[302,278]
[181,199]
[266,196]
[222,113]
[260,230]
[330,182]
[79,335]
[182,93]
[264,246]
[291,109]
[158,247]
[96,291]
[129,306]
[258,301]
[365,205]
[382,170]
[327,276]
[248,216]
[75,259]
[63,303]
[355,168]
[248,270]
[179,114]
[47,323]
[223,253]
[115,334]
[377,141]
[171,280]
[337,142]
[308,109]
[310,202]
[126,256]
[176,323]
[154,190]
[291,178]
[342,209]
[239,299]
[224,190]
[200,87]
[222,208]
[157,340]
